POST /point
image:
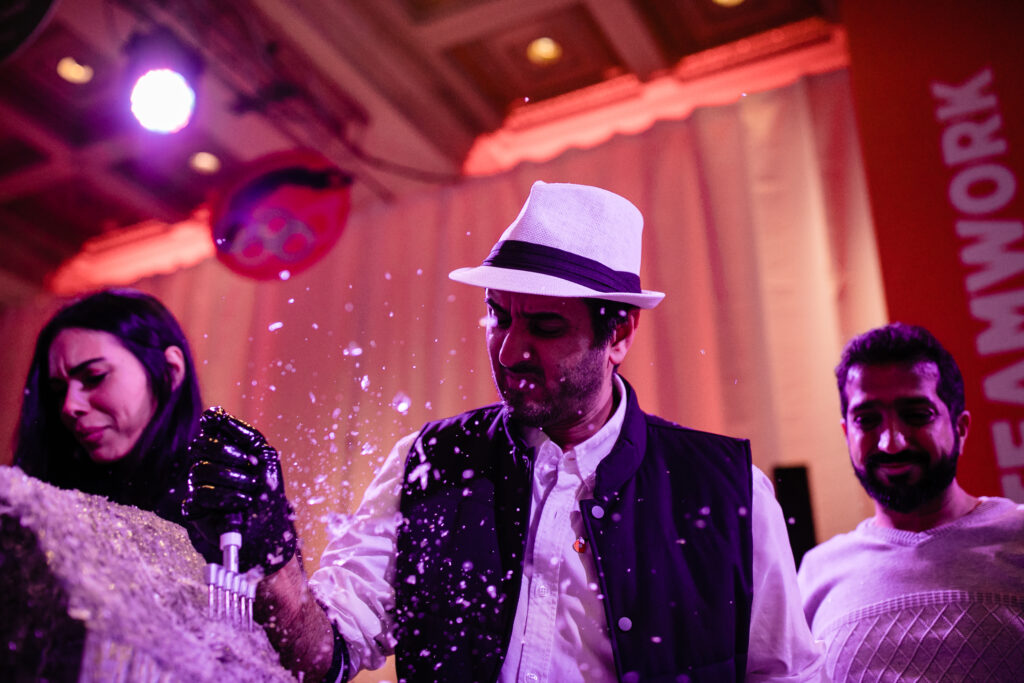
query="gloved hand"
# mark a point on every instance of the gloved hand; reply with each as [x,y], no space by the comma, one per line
[235,484]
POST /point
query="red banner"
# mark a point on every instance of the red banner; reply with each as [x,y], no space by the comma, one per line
[940,107]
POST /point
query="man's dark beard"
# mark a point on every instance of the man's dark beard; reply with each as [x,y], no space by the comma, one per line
[902,496]
[571,399]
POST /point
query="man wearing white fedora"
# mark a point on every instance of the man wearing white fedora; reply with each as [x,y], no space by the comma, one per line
[561,534]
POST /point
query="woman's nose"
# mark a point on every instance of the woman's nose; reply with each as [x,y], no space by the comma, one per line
[75,403]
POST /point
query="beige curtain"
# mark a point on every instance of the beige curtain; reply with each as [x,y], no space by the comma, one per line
[757,227]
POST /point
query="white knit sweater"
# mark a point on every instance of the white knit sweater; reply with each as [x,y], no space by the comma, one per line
[945,604]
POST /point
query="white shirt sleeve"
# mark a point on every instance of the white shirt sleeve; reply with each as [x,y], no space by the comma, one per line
[354,581]
[781,645]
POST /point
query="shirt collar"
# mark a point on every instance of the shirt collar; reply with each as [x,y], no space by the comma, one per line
[591,452]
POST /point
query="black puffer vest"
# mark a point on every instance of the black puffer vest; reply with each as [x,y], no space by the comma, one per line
[669,526]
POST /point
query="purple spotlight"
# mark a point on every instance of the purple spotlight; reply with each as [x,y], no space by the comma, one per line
[163,101]
[162,72]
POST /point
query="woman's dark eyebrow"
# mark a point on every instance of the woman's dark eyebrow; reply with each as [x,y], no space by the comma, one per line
[83,365]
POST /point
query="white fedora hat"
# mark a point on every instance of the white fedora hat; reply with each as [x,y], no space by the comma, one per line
[568,241]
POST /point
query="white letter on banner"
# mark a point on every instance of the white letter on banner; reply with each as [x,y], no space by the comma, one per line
[968,140]
[1009,453]
[990,251]
[1003,312]
[1004,184]
[1007,385]
[965,99]
[1012,487]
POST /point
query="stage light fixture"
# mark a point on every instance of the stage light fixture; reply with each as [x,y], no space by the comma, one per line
[162,74]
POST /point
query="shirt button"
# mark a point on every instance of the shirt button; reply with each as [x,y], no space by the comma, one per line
[542,590]
[625,623]
[531,677]
[597,512]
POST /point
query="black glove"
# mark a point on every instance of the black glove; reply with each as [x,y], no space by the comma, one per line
[235,484]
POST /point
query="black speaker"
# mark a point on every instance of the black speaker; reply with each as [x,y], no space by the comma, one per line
[794,496]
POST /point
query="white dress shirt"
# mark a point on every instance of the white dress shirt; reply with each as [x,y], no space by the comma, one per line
[560,633]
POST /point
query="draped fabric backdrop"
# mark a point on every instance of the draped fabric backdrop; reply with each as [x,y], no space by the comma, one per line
[756,226]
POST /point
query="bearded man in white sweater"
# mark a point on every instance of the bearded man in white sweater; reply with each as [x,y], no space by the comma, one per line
[932,587]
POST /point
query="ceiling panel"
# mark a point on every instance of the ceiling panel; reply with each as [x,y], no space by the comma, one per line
[78,114]
[498,66]
[685,27]
[394,92]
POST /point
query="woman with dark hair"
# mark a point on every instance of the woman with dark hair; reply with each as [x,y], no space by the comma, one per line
[112,402]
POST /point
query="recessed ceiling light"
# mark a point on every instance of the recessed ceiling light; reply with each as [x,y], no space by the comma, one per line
[728,3]
[543,51]
[72,71]
[204,162]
